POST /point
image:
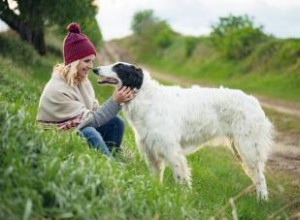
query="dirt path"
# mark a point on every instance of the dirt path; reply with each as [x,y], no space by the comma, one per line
[286,150]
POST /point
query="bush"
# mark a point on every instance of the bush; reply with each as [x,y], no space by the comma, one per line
[24,53]
[190,45]
[275,55]
[236,36]
[164,36]
[154,31]
[142,20]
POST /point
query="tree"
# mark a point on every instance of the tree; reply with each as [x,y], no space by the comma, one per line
[236,36]
[152,29]
[30,17]
[143,20]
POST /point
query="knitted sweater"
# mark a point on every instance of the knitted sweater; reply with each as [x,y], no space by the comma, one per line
[65,107]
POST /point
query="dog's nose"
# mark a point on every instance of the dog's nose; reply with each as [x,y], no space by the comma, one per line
[95,70]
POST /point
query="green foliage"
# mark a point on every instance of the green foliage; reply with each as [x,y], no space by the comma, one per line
[47,174]
[288,55]
[29,62]
[55,175]
[33,16]
[50,12]
[142,21]
[276,55]
[263,55]
[190,45]
[24,53]
[236,36]
[153,31]
[164,36]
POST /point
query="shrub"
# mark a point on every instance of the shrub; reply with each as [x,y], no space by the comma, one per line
[236,36]
[12,47]
[154,31]
[276,55]
[190,45]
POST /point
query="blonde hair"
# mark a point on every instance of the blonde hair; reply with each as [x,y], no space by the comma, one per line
[69,73]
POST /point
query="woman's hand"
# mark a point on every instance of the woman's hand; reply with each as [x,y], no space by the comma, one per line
[125,94]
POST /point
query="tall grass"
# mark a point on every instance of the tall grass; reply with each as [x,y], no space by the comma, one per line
[55,175]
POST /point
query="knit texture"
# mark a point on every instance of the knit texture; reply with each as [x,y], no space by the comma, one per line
[60,102]
[76,44]
[66,107]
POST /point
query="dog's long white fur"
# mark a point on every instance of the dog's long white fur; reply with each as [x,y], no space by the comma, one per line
[170,122]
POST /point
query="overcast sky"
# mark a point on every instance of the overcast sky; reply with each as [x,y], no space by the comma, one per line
[195,17]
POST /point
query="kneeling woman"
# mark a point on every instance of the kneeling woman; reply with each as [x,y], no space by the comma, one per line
[68,99]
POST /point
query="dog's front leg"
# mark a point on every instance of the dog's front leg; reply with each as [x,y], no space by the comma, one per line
[179,166]
[155,164]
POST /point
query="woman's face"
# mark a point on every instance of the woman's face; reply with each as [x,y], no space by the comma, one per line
[85,64]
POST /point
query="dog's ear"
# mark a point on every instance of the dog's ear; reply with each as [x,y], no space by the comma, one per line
[139,78]
[130,75]
[134,78]
[138,70]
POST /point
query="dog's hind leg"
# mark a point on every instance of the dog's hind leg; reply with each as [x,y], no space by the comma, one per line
[253,165]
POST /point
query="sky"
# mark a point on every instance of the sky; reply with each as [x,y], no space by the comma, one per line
[280,18]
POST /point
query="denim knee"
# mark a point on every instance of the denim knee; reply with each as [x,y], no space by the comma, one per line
[120,125]
[112,132]
[95,139]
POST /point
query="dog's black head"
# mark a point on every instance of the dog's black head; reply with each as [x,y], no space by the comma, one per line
[122,74]
[130,75]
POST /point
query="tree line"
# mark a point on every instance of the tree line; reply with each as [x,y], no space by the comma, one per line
[233,36]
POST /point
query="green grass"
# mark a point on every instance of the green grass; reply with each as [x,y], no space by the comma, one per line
[284,122]
[280,86]
[55,175]
[46,174]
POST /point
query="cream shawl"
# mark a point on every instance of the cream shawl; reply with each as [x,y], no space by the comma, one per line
[60,102]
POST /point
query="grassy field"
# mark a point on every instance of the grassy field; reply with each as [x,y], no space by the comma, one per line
[53,175]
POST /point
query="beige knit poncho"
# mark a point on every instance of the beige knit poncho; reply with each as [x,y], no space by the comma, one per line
[60,102]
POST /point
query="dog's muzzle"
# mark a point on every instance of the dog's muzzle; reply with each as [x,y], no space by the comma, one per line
[96,71]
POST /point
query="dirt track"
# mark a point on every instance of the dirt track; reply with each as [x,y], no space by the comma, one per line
[286,150]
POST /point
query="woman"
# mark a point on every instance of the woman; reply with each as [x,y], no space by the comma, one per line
[68,100]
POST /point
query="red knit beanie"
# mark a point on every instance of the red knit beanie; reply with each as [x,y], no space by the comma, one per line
[76,44]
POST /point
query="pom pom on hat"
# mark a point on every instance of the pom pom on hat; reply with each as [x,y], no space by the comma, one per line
[74,28]
[76,44]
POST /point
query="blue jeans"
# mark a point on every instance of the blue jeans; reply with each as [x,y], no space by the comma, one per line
[106,138]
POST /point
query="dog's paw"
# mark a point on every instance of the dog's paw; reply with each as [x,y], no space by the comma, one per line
[184,182]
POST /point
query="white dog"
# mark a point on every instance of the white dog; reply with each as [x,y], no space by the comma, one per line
[170,122]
